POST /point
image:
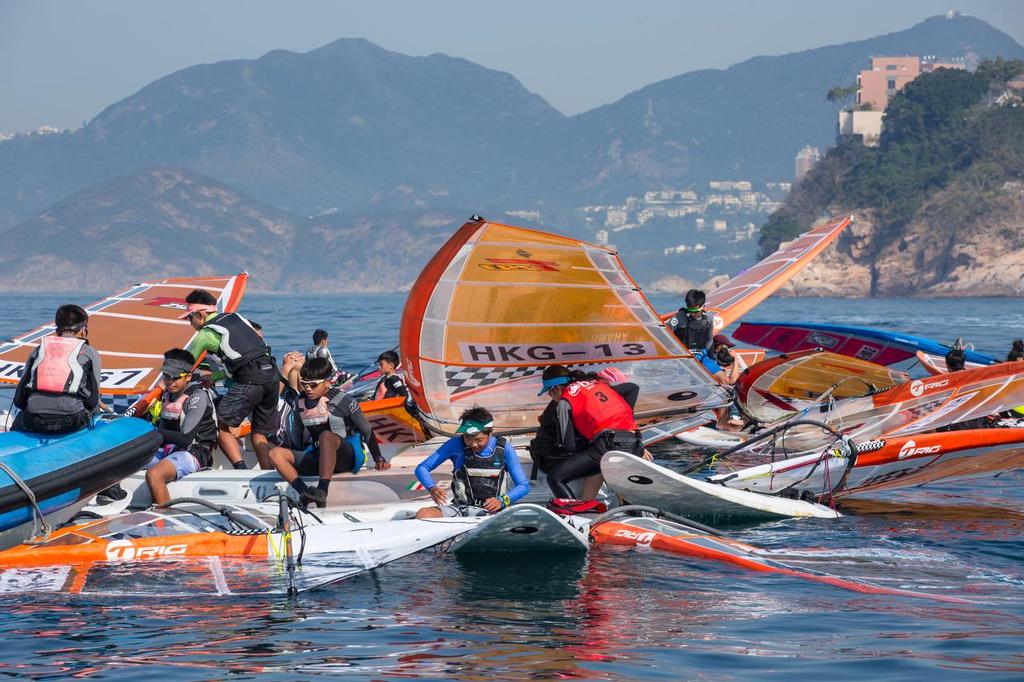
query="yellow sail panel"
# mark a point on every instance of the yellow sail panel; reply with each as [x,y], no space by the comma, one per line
[131,330]
[498,303]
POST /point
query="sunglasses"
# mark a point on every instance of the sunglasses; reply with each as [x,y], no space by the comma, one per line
[174,377]
[695,310]
[311,384]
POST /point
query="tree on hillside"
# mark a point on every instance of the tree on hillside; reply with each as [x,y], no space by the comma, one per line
[1000,70]
[841,95]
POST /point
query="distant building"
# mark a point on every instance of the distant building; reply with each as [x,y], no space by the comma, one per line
[601,237]
[805,160]
[721,226]
[867,124]
[889,75]
[616,217]
[525,215]
[875,86]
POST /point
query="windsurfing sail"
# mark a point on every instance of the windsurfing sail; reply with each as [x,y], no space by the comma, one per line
[131,330]
[788,384]
[742,293]
[876,345]
[498,303]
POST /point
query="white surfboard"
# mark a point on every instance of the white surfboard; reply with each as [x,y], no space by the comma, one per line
[522,528]
[707,437]
[643,482]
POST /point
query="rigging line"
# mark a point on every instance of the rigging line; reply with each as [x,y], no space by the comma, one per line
[36,511]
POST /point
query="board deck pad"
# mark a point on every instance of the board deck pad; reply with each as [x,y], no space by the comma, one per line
[522,528]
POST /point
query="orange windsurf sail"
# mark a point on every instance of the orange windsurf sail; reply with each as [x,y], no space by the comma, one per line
[498,303]
[131,330]
[742,293]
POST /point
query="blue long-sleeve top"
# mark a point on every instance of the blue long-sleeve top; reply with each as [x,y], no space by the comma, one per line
[455,451]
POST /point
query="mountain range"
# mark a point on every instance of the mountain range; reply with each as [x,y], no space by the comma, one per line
[247,160]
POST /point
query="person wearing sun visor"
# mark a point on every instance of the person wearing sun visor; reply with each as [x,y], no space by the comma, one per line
[482,465]
[245,355]
[185,418]
[593,410]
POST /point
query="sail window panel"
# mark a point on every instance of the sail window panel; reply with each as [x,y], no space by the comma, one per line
[432,339]
[440,300]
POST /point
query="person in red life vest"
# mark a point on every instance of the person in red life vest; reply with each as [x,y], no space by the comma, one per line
[60,383]
[593,410]
[245,355]
[545,448]
[185,418]
[334,427]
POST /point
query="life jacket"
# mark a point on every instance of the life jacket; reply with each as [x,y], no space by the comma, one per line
[696,334]
[390,386]
[564,506]
[172,413]
[59,367]
[289,427]
[239,342]
[317,418]
[596,407]
[481,478]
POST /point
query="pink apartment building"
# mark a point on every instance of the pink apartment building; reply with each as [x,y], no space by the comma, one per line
[887,75]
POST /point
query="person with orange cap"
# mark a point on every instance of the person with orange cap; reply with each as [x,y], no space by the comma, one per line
[247,359]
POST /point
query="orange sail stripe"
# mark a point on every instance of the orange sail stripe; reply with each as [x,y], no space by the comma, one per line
[745,291]
[131,330]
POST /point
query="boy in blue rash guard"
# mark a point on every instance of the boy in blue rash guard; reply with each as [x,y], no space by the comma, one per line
[482,466]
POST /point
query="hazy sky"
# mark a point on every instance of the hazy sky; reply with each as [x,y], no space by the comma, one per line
[62,62]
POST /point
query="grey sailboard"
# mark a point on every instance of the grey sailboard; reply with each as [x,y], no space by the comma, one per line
[641,482]
[522,528]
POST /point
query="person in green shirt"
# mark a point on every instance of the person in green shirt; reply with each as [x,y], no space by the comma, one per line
[247,359]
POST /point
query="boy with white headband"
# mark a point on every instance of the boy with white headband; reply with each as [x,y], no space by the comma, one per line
[482,465]
[184,415]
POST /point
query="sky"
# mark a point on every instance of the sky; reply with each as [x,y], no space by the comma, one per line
[64,61]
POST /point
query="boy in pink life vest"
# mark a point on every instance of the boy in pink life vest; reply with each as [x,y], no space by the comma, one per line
[60,384]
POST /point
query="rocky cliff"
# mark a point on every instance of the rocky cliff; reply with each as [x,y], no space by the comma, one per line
[940,202]
[957,244]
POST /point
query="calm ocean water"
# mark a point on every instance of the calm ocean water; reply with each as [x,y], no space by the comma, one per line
[614,614]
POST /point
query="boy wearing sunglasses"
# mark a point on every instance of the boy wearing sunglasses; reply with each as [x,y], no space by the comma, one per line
[692,325]
[335,428]
[185,418]
[60,384]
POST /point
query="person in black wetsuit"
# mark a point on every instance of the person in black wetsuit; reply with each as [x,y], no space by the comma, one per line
[330,417]
[692,325]
[1016,351]
[247,358]
[184,415]
[390,384]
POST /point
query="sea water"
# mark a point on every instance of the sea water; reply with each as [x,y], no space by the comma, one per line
[614,614]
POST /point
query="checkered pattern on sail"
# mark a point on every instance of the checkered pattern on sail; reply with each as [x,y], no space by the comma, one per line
[462,379]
